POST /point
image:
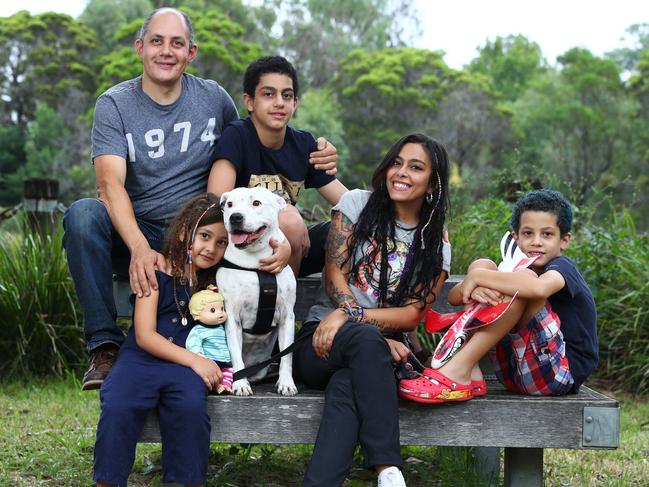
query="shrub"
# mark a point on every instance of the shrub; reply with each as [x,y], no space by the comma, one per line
[614,260]
[40,327]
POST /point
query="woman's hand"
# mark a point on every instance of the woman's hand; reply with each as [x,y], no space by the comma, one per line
[398,350]
[276,262]
[207,370]
[324,334]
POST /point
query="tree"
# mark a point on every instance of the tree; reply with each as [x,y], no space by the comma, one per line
[576,123]
[46,153]
[45,144]
[105,17]
[629,57]
[317,34]
[43,58]
[475,128]
[510,63]
[386,94]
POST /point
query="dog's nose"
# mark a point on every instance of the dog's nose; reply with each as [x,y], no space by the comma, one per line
[236,218]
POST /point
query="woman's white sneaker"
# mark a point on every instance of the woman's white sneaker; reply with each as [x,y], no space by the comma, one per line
[391,477]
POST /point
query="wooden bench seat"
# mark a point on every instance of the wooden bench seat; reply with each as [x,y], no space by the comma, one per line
[522,425]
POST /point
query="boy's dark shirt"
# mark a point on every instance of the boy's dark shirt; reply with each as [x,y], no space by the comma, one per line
[284,171]
[575,306]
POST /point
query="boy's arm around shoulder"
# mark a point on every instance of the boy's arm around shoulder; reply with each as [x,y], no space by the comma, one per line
[222,178]
[333,191]
[526,282]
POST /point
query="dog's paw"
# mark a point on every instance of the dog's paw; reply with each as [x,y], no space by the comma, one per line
[242,387]
[286,387]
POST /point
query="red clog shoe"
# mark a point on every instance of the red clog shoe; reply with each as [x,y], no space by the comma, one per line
[434,387]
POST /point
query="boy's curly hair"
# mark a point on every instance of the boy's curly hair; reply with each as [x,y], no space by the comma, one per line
[200,210]
[547,200]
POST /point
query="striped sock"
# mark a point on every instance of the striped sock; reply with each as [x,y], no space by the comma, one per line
[228,373]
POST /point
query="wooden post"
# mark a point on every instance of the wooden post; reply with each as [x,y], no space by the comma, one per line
[40,201]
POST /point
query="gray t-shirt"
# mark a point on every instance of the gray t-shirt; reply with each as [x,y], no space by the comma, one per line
[169,149]
[365,287]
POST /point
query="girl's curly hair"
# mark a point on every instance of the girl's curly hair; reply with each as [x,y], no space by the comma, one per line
[377,223]
[200,210]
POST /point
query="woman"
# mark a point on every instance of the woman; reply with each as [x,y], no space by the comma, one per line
[384,267]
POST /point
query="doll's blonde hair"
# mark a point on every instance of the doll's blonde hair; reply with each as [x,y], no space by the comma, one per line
[201,298]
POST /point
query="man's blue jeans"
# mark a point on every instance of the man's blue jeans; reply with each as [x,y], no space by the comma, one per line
[95,251]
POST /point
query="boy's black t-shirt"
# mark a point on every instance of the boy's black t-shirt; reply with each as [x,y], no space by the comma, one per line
[284,171]
[575,306]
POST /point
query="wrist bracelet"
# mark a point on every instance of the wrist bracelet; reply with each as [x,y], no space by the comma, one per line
[354,311]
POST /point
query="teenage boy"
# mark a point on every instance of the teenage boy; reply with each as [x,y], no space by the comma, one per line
[546,343]
[262,150]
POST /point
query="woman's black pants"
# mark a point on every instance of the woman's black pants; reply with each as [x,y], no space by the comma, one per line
[361,403]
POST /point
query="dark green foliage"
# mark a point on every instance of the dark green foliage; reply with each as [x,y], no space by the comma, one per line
[40,330]
[614,260]
[386,94]
[105,17]
[12,157]
[43,58]
[510,63]
[317,34]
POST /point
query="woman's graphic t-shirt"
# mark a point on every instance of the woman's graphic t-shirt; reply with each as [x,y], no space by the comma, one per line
[365,287]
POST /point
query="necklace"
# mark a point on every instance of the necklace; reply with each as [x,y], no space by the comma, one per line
[403,227]
[183,316]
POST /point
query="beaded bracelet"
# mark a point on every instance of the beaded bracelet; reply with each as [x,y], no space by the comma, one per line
[355,312]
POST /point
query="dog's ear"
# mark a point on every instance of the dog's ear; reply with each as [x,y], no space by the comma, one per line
[224,198]
[281,202]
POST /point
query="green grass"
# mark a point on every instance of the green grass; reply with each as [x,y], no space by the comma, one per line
[47,431]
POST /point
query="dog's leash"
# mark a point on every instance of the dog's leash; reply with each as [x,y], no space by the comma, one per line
[253,369]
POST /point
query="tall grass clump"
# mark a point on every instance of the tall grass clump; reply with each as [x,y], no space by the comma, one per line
[40,322]
[614,259]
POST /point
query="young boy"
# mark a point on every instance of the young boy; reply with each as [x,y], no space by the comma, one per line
[546,343]
[262,150]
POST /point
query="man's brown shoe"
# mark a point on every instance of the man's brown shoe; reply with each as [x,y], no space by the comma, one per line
[102,359]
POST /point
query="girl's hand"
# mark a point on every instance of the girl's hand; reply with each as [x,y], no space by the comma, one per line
[485,295]
[276,262]
[207,370]
[324,334]
[398,350]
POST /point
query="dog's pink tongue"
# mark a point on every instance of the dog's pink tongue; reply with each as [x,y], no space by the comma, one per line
[238,238]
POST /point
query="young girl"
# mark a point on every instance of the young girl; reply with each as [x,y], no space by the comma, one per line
[154,370]
[384,267]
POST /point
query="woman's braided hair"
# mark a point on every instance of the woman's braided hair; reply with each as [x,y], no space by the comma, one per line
[377,223]
[204,207]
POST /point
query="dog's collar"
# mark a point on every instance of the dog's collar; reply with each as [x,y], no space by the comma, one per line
[267,298]
[231,265]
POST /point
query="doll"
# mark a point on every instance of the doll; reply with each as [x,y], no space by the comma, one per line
[207,337]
